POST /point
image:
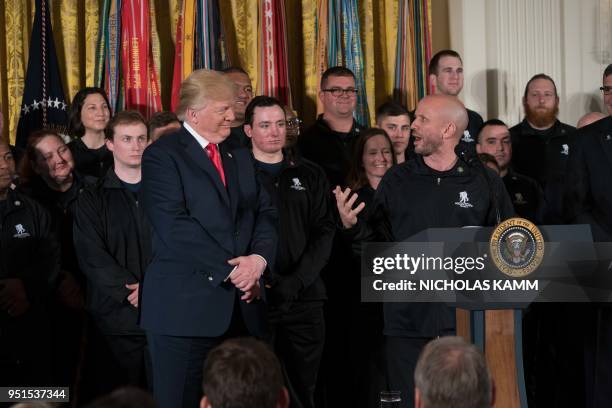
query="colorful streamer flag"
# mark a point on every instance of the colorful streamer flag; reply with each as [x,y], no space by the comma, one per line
[413,52]
[273,52]
[43,104]
[344,48]
[107,72]
[200,42]
[138,67]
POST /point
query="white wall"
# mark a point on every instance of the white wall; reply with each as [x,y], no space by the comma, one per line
[505,42]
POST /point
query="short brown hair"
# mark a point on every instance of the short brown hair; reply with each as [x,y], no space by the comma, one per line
[242,373]
[123,118]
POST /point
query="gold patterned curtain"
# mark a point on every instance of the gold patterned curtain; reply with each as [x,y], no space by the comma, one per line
[75,30]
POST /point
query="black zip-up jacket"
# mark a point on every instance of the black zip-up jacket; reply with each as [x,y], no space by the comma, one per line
[413,197]
[90,162]
[306,230]
[113,242]
[61,207]
[526,195]
[331,150]
[542,155]
[28,251]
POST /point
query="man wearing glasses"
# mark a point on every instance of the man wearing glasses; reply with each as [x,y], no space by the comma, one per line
[606,89]
[329,141]
[587,200]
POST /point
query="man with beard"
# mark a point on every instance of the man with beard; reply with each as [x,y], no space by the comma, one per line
[525,192]
[451,194]
[244,94]
[541,143]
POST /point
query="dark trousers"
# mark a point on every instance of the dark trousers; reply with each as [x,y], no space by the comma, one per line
[598,357]
[178,363]
[298,336]
[113,361]
[402,354]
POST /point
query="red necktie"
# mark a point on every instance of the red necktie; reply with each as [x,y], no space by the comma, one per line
[215,157]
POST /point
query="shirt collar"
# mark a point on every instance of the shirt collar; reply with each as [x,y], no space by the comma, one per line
[200,139]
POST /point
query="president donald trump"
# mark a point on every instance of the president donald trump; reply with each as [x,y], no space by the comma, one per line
[213,235]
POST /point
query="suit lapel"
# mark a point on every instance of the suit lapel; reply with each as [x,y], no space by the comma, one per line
[231,176]
[199,156]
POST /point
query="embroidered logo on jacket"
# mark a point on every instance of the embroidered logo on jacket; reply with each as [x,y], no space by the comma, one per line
[565,149]
[519,199]
[464,200]
[20,232]
[467,138]
[297,185]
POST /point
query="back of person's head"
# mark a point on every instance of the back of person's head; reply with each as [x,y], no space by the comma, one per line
[243,373]
[435,60]
[336,71]
[125,397]
[452,373]
[390,108]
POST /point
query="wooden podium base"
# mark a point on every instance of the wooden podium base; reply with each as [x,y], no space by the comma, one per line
[499,334]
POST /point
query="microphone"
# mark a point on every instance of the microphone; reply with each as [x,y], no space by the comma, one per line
[468,156]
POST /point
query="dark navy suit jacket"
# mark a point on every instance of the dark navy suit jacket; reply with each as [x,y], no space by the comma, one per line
[198,225]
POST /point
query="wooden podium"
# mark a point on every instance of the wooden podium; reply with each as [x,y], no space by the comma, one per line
[498,333]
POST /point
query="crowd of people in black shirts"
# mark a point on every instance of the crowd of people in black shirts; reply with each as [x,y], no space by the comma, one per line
[97,232]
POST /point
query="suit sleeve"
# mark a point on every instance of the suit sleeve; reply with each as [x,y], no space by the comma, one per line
[94,259]
[321,234]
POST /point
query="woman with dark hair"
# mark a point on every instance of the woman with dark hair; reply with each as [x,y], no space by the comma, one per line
[89,113]
[372,157]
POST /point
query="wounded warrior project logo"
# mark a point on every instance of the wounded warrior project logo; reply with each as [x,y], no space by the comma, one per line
[517,247]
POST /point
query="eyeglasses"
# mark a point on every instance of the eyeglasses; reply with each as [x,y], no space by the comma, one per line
[607,90]
[338,92]
[294,123]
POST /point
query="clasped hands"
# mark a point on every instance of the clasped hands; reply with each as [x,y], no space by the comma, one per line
[245,276]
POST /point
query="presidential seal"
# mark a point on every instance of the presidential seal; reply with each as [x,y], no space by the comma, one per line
[516,247]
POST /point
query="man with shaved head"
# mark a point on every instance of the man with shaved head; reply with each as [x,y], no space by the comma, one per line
[434,190]
[589,118]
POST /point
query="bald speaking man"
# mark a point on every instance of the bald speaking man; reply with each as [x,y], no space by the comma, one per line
[444,191]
